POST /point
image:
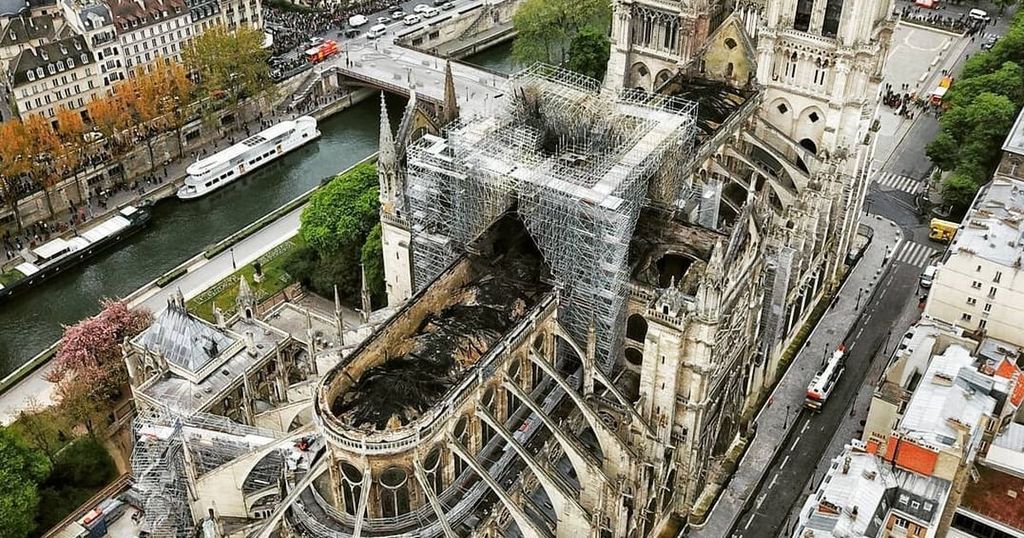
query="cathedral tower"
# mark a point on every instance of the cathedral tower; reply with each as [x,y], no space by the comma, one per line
[394,228]
[820,62]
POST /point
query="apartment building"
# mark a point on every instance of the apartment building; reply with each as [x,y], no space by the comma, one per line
[993,503]
[151,30]
[55,74]
[945,400]
[979,284]
[95,21]
[862,495]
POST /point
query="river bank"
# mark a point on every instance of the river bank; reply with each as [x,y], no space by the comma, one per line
[32,322]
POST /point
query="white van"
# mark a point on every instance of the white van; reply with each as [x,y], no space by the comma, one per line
[978,14]
[410,20]
[376,31]
[357,20]
[432,12]
[927,276]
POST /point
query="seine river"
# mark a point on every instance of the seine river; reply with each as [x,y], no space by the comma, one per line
[32,321]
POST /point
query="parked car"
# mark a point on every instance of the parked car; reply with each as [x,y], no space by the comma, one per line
[439,3]
[351,32]
[989,43]
[448,5]
[397,15]
[410,20]
[420,8]
[432,12]
[383,20]
[978,14]
[376,31]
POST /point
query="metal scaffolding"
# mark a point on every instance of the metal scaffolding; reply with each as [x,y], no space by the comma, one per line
[576,163]
[162,468]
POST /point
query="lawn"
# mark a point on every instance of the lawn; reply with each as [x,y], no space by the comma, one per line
[224,293]
[10,277]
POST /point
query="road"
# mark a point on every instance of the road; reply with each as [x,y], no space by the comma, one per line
[900,176]
[396,68]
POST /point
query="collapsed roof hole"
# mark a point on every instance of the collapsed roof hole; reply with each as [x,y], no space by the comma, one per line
[672,267]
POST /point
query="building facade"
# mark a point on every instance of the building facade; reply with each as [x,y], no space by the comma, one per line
[95,22]
[151,30]
[62,73]
[979,282]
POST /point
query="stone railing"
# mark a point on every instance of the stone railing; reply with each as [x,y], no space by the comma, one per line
[429,425]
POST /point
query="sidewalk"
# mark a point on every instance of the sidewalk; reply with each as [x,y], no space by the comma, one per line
[35,390]
[164,175]
[787,400]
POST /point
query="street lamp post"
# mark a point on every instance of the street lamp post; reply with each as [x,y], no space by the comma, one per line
[233,265]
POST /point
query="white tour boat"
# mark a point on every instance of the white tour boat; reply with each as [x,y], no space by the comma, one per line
[215,171]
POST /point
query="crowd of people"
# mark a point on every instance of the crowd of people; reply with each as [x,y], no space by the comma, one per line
[903,101]
[960,22]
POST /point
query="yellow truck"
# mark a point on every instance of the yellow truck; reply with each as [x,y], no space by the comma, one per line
[942,230]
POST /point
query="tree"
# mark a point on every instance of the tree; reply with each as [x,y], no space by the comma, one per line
[1008,81]
[14,164]
[588,53]
[372,258]
[88,369]
[176,104]
[71,131]
[958,191]
[545,27]
[340,214]
[111,119]
[230,65]
[147,90]
[43,429]
[942,150]
[45,148]
[21,470]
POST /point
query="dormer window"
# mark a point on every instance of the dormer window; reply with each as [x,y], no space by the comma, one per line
[31,76]
[60,65]
[85,58]
[71,63]
[51,69]
[39,72]
[44,55]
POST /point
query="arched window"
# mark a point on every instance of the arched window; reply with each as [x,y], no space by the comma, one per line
[802,20]
[636,328]
[833,12]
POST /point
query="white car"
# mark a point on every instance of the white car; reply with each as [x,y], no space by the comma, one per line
[410,20]
[398,15]
[448,5]
[356,21]
[978,14]
[383,20]
[316,41]
[432,12]
[420,8]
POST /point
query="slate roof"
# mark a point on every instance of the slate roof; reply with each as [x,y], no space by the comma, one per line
[73,48]
[130,15]
[12,7]
[183,339]
[23,29]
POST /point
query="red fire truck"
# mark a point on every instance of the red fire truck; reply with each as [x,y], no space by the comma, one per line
[322,51]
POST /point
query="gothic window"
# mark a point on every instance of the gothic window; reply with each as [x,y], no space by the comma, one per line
[802,20]
[791,66]
[729,70]
[730,43]
[833,11]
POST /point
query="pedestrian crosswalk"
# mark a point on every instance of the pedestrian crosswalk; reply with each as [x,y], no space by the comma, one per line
[897,182]
[915,254]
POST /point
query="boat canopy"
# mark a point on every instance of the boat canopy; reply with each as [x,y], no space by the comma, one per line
[108,228]
[50,249]
[27,269]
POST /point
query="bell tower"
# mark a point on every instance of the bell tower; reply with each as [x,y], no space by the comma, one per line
[820,62]
[394,226]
